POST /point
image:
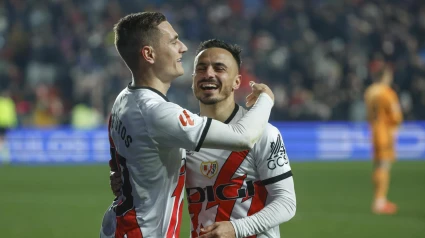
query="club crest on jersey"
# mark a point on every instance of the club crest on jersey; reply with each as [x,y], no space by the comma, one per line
[185,119]
[209,169]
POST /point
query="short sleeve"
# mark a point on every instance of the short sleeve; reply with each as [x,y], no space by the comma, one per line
[173,126]
[271,157]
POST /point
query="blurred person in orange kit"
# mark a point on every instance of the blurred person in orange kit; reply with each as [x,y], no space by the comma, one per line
[384,116]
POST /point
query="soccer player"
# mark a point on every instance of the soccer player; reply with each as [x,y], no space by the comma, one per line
[234,194]
[230,193]
[149,134]
[384,116]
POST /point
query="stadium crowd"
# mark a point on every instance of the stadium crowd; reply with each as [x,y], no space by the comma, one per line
[59,66]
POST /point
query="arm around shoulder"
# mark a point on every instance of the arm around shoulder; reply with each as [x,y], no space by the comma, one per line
[244,133]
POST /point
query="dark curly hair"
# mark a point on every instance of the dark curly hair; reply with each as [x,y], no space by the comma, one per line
[234,49]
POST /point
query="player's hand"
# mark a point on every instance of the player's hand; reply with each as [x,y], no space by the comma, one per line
[222,229]
[115,182]
[257,89]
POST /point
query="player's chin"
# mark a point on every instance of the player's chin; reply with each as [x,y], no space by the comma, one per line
[208,100]
[177,74]
[180,71]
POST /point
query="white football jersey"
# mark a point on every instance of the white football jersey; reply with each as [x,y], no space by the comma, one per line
[148,133]
[223,185]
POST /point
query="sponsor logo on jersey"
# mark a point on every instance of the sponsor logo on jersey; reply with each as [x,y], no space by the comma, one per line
[278,155]
[185,119]
[209,169]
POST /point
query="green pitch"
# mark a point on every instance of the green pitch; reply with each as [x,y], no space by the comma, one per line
[333,200]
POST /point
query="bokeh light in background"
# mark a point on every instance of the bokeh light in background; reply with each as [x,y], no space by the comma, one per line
[58,58]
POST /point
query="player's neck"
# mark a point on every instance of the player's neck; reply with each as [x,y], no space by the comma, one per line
[220,111]
[383,83]
[148,79]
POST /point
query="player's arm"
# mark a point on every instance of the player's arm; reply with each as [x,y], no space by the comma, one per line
[114,173]
[243,134]
[281,208]
[171,125]
[275,172]
[395,115]
[115,181]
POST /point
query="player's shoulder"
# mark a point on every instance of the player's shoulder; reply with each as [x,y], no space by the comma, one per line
[390,91]
[151,100]
[369,92]
[271,130]
[270,133]
[157,110]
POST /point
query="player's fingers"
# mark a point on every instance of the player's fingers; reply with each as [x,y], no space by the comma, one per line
[114,174]
[116,186]
[258,87]
[116,180]
[250,101]
[251,83]
[209,228]
[249,104]
[250,96]
[116,193]
[209,235]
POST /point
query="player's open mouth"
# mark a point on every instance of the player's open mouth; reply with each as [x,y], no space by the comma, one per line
[208,86]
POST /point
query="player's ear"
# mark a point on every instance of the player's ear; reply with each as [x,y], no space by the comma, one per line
[237,82]
[148,53]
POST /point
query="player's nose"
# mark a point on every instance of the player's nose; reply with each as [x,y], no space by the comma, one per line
[210,72]
[183,48]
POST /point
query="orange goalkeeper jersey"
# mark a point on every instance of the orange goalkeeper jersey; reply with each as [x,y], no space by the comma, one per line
[384,115]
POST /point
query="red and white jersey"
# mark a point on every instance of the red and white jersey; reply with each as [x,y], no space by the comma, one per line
[148,133]
[223,185]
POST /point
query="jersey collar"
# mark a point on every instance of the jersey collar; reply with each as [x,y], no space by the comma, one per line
[233,114]
[152,89]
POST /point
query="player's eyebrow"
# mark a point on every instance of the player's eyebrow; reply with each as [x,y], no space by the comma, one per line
[216,64]
[174,38]
[220,64]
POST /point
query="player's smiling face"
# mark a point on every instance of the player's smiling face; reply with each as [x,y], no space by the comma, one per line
[215,76]
[169,52]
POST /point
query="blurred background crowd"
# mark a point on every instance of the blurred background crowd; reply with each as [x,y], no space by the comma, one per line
[59,66]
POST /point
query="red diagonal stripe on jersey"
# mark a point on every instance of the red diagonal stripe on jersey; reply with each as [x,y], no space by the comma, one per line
[128,225]
[176,212]
[225,207]
[194,210]
[259,199]
[180,216]
[111,142]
